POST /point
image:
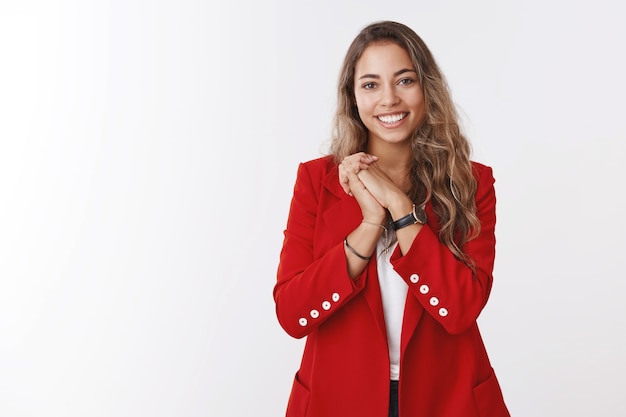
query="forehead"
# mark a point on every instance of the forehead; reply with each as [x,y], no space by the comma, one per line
[383,57]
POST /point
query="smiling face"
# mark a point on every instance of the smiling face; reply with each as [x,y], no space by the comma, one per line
[388,95]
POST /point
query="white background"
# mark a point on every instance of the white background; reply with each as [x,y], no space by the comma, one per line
[148,151]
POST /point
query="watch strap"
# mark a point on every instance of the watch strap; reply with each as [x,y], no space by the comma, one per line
[409,219]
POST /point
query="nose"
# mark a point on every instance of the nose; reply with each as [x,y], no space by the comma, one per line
[389,97]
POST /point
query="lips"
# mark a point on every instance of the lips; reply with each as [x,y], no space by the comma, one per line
[391,118]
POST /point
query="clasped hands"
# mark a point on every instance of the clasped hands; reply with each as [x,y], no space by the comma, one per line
[361,176]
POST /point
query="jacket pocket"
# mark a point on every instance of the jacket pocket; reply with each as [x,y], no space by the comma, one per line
[298,400]
[488,398]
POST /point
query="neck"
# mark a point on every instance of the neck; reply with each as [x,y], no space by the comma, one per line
[394,159]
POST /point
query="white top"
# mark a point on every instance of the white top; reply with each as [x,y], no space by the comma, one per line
[393,290]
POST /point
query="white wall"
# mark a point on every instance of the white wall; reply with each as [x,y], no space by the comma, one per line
[147,157]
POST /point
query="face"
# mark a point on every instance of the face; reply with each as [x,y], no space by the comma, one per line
[388,94]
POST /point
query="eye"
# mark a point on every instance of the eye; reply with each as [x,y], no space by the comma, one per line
[368,86]
[406,81]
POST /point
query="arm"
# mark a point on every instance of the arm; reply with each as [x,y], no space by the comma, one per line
[447,288]
[310,289]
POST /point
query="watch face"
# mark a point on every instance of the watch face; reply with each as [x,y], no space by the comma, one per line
[420,215]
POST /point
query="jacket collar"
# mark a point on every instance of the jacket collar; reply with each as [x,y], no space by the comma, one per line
[331,181]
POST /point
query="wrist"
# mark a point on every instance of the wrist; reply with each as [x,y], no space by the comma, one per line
[416,216]
[379,226]
[399,206]
[375,216]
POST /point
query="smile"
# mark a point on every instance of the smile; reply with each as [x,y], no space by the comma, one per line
[392,118]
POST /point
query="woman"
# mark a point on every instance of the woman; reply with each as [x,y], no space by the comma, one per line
[389,248]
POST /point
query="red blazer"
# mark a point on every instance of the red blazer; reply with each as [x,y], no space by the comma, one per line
[444,368]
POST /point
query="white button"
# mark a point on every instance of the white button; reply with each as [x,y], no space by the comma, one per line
[326,305]
[443,312]
[414,278]
[434,301]
[303,321]
[335,296]
[424,289]
[315,314]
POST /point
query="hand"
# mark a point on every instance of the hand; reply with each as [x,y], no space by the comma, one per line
[352,164]
[352,185]
[380,186]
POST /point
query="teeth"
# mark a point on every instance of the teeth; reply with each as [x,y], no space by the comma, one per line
[392,118]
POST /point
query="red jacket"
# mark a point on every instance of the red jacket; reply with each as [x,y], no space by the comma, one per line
[444,368]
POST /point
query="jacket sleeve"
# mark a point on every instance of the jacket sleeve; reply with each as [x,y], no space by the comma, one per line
[447,288]
[309,289]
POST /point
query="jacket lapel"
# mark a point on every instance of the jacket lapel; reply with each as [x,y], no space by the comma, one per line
[413,311]
[374,299]
[341,212]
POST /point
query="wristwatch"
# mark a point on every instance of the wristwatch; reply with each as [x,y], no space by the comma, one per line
[418,215]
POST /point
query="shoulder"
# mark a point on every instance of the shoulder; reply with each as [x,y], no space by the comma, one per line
[318,174]
[482,173]
[322,164]
[485,189]
[318,168]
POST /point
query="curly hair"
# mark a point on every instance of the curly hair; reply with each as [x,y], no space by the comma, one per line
[441,170]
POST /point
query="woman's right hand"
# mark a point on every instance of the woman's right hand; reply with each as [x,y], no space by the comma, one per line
[349,168]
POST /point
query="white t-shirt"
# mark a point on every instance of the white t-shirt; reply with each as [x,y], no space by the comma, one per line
[393,290]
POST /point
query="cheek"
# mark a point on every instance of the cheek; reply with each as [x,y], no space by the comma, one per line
[418,100]
[359,112]
[358,101]
[363,105]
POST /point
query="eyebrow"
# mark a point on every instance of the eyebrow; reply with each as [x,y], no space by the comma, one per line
[395,74]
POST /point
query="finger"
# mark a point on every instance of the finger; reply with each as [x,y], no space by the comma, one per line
[345,185]
[359,157]
[352,178]
[356,186]
[343,178]
[350,167]
[346,188]
[344,181]
[368,159]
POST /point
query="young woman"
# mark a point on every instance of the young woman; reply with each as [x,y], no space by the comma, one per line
[389,248]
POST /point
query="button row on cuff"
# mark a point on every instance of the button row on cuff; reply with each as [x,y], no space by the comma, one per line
[315,313]
[425,289]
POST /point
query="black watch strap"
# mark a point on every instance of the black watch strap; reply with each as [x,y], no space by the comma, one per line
[416,216]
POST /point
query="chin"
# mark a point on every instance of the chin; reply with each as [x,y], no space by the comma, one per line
[395,139]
